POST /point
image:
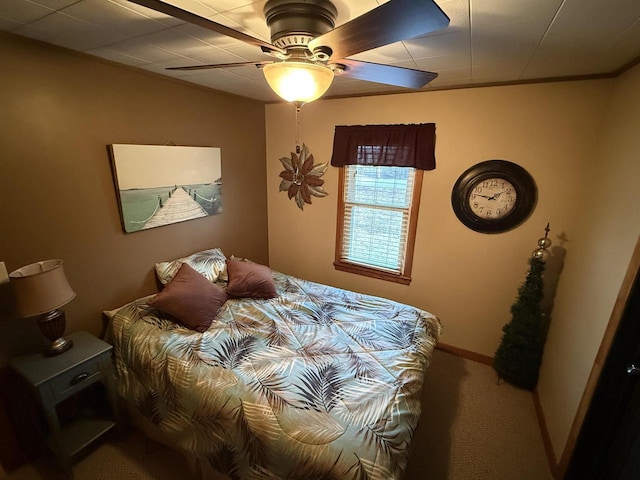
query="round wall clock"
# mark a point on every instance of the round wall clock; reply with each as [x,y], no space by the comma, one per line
[494,196]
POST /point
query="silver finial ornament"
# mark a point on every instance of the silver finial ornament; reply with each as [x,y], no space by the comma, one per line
[541,253]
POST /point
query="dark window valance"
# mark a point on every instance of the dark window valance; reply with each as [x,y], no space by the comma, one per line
[385,145]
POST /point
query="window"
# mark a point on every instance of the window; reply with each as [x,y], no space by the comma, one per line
[381,168]
[377,217]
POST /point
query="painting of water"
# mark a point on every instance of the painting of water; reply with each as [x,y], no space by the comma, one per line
[160,185]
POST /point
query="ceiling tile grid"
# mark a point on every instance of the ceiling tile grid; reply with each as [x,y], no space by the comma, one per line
[487,41]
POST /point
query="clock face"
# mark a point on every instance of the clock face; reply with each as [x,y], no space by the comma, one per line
[492,198]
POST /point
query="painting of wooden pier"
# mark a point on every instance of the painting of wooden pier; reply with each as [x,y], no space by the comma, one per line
[161,185]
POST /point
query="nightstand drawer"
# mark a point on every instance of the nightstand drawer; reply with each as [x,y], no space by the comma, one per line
[75,379]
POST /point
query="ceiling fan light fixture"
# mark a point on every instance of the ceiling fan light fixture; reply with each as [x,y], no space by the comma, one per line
[301,82]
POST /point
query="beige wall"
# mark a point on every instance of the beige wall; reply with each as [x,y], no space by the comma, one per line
[468,279]
[597,259]
[57,199]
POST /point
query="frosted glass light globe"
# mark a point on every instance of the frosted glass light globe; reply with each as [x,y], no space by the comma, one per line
[298,81]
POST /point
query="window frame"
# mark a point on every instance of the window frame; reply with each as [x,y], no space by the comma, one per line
[404,277]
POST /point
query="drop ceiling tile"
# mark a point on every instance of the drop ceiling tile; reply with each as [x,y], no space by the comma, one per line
[256,74]
[396,52]
[200,52]
[249,72]
[504,31]
[606,18]
[231,83]
[350,9]
[502,71]
[455,44]
[250,18]
[222,6]
[204,34]
[147,12]
[212,38]
[364,88]
[114,16]
[217,39]
[515,41]
[445,62]
[248,52]
[201,8]
[625,47]
[259,28]
[486,13]
[8,25]
[172,39]
[209,56]
[199,77]
[458,13]
[143,49]
[67,31]
[22,11]
[54,4]
[119,57]
[561,66]
[458,76]
[247,75]
[579,35]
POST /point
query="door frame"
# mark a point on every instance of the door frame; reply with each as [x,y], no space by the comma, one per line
[633,270]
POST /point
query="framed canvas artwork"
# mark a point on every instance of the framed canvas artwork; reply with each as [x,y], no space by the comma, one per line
[159,185]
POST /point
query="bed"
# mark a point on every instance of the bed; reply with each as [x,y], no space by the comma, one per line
[313,383]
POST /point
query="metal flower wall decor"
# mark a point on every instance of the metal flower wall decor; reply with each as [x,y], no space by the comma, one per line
[301,178]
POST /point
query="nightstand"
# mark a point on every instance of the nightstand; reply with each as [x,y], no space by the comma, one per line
[51,380]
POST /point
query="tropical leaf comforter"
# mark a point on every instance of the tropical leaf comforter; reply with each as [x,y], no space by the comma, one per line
[318,383]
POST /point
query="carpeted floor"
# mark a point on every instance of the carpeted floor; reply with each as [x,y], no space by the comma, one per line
[473,429]
[470,429]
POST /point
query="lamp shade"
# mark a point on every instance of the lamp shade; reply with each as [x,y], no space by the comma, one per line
[40,288]
[298,81]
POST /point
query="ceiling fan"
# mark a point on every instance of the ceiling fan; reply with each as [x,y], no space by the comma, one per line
[309,50]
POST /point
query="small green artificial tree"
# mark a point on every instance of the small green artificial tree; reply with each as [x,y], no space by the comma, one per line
[519,355]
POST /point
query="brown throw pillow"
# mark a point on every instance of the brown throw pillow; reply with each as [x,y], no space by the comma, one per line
[248,279]
[190,298]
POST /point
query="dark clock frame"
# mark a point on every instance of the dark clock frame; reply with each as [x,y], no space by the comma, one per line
[522,181]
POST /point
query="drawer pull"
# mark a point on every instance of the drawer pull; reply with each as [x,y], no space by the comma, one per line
[79,378]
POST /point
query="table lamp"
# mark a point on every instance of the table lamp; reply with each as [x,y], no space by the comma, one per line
[41,289]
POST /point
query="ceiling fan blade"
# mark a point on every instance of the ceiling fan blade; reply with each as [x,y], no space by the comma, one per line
[176,12]
[390,75]
[221,65]
[390,22]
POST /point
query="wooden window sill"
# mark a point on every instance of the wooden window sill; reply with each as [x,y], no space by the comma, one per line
[371,272]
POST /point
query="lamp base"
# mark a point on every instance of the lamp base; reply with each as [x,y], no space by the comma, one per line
[58,346]
[52,326]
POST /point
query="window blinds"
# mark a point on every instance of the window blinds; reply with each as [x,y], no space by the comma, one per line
[377,207]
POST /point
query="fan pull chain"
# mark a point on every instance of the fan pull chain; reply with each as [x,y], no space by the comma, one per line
[298,107]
